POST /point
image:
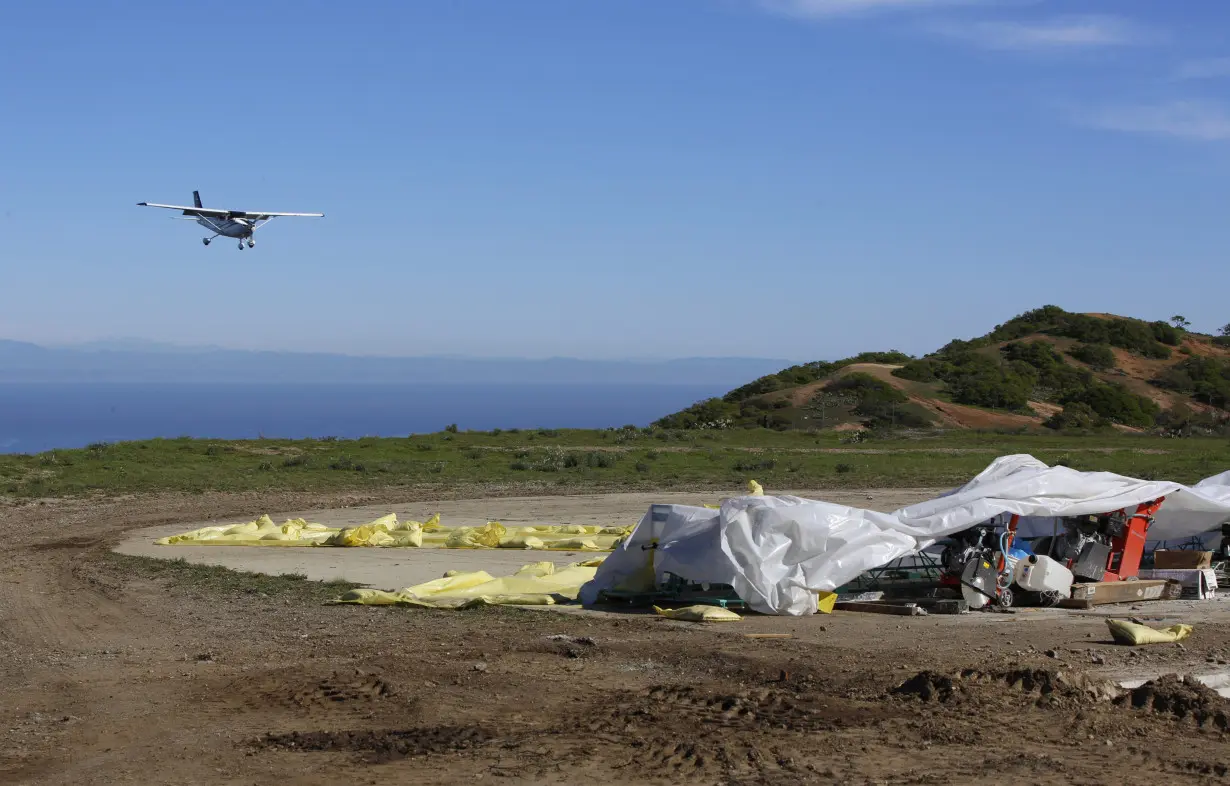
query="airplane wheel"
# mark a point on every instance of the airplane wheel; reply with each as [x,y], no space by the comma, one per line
[205,240]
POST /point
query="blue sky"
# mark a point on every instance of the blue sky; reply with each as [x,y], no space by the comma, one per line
[612,178]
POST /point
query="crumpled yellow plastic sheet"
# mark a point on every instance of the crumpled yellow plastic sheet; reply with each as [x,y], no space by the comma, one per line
[388,532]
[536,584]
[1133,633]
[698,614]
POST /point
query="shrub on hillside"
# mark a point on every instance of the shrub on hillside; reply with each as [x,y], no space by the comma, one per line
[891,357]
[711,413]
[1145,338]
[1117,404]
[879,415]
[1039,354]
[864,386]
[1098,356]
[917,370]
[1167,334]
[1183,421]
[1205,379]
[974,373]
[806,373]
[1076,416]
[788,377]
[877,403]
[983,381]
[778,422]
[1041,365]
[600,460]
[1124,333]
[991,390]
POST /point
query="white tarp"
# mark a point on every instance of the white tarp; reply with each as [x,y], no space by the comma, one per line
[777,552]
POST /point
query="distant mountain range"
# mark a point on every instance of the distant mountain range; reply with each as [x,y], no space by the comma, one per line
[137,361]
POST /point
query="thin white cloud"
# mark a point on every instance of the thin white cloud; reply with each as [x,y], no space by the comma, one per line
[1195,120]
[1214,68]
[828,9]
[1058,34]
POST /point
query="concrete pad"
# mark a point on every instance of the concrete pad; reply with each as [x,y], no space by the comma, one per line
[387,569]
[391,569]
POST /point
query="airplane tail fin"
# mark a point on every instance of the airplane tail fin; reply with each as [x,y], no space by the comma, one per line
[196,198]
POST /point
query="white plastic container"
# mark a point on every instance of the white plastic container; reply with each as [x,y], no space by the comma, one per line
[1043,574]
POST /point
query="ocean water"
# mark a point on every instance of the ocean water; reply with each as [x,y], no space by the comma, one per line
[39,417]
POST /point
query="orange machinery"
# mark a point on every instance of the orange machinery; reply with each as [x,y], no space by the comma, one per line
[1096,547]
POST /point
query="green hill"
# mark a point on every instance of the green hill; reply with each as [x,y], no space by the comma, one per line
[1044,369]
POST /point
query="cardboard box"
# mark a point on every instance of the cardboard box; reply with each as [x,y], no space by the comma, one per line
[1199,584]
[1182,559]
[1124,591]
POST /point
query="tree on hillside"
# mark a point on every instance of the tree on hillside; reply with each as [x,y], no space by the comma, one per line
[1097,356]
[1180,321]
[1076,416]
[1225,329]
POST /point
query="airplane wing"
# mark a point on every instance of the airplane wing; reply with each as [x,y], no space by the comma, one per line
[251,215]
[255,216]
[188,210]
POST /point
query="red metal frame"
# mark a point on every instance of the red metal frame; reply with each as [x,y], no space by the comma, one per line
[1127,549]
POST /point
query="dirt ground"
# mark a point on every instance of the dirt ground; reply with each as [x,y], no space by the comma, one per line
[109,674]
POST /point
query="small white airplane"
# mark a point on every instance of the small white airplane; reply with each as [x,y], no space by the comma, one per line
[228,223]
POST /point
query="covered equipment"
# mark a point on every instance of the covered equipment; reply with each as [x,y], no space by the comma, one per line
[780,553]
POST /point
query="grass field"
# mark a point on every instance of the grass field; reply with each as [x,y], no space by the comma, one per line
[612,459]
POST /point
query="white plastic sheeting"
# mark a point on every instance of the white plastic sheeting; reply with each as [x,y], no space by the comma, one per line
[778,552]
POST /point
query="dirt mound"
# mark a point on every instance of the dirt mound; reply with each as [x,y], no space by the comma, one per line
[1181,697]
[383,745]
[1045,682]
[928,686]
[1046,685]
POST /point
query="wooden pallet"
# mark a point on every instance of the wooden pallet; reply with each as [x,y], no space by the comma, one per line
[1101,593]
[901,610]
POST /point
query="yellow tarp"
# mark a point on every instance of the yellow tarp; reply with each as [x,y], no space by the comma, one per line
[388,532]
[1124,632]
[699,614]
[536,584]
[825,602]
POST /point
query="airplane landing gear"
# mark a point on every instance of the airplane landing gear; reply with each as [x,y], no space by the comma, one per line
[241,245]
[205,240]
[251,243]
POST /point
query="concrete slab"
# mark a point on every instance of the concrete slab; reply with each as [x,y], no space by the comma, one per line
[391,569]
[387,569]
